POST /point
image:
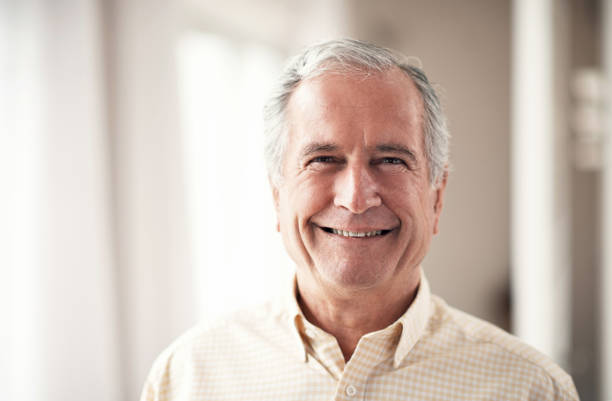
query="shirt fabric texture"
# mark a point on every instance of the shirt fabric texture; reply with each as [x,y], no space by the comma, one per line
[432,352]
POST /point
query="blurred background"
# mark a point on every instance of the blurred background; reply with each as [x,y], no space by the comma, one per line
[134,200]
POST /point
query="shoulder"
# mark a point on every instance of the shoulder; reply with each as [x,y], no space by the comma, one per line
[500,352]
[225,347]
[245,327]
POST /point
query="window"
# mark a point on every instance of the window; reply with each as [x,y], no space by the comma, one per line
[239,257]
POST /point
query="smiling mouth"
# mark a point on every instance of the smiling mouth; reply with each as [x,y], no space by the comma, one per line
[355,234]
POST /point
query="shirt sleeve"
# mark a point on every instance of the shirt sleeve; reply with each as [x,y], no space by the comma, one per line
[545,388]
[157,386]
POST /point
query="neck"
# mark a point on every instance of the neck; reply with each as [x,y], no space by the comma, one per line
[350,314]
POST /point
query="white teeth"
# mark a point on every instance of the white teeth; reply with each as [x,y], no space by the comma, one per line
[356,234]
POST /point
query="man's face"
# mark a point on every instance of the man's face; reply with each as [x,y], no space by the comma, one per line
[355,208]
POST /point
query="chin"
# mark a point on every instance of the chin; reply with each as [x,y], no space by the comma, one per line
[354,276]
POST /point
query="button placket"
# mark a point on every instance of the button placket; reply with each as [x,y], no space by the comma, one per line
[350,390]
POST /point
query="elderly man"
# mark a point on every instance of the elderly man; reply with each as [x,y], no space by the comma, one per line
[358,150]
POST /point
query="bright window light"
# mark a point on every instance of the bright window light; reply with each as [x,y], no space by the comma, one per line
[239,257]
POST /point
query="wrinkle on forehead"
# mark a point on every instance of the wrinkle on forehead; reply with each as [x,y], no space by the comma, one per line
[374,103]
[404,107]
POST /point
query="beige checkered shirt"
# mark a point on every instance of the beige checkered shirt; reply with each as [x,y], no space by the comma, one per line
[433,352]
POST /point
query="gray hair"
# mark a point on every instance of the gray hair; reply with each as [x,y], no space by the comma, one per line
[352,56]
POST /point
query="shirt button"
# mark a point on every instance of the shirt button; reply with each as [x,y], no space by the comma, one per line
[351,390]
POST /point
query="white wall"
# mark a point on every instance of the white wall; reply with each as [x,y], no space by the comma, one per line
[151,229]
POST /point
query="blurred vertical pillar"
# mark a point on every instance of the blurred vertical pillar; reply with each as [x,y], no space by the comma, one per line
[62,327]
[540,179]
[154,268]
[606,214]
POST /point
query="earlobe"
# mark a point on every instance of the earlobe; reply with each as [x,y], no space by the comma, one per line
[439,201]
[275,199]
[438,204]
[437,211]
[275,194]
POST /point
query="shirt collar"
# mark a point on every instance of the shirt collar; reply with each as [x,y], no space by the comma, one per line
[412,322]
[296,320]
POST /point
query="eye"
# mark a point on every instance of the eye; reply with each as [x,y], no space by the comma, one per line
[392,160]
[323,159]
[322,163]
[392,163]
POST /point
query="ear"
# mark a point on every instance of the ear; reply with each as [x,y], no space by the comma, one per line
[439,200]
[276,200]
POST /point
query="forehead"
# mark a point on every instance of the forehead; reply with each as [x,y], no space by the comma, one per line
[373,106]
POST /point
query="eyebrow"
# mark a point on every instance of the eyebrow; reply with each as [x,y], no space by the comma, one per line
[317,147]
[397,148]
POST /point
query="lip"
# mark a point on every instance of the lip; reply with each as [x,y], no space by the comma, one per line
[355,233]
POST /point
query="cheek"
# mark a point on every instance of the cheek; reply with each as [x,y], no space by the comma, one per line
[309,197]
[294,213]
[413,207]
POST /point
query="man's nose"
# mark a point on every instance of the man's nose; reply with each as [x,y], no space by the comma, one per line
[356,189]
